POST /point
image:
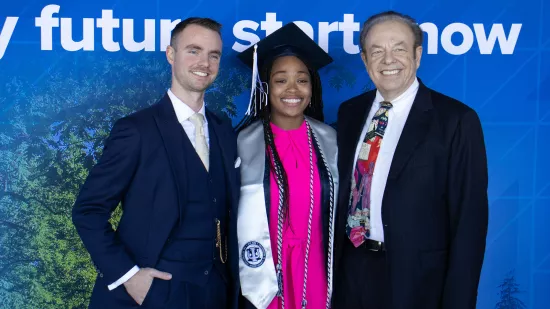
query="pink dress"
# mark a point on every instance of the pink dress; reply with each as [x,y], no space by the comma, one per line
[293,149]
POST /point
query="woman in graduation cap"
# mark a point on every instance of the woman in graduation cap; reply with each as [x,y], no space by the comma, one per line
[289,177]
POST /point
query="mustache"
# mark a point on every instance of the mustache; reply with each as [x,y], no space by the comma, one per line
[200,68]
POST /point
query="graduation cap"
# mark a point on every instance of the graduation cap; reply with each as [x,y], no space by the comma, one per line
[288,40]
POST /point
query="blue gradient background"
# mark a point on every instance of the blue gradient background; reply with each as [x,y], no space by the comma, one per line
[510,93]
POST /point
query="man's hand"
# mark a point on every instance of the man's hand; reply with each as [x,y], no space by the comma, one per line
[138,286]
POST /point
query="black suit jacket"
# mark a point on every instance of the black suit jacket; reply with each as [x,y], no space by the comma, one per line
[143,167]
[435,206]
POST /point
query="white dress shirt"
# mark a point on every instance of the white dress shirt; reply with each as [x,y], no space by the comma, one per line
[183,112]
[396,121]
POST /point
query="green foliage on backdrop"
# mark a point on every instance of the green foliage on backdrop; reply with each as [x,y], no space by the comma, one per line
[54,135]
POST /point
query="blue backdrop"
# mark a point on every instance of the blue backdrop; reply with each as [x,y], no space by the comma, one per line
[56,93]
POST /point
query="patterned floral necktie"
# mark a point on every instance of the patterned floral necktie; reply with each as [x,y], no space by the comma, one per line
[358,224]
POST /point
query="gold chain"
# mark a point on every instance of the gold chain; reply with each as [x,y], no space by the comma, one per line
[219,242]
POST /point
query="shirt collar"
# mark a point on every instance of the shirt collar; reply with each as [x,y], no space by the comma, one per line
[402,101]
[183,111]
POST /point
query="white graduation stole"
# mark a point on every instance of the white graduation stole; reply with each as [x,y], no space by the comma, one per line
[256,265]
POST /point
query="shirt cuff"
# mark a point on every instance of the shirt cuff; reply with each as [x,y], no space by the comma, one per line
[124,278]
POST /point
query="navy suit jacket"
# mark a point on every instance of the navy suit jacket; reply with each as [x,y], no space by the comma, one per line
[143,167]
[435,206]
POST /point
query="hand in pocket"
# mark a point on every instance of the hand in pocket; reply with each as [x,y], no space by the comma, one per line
[138,286]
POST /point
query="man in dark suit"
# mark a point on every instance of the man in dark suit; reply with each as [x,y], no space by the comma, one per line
[174,168]
[413,209]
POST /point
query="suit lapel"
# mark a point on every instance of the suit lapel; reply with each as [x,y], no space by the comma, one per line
[351,127]
[356,128]
[224,143]
[172,136]
[416,127]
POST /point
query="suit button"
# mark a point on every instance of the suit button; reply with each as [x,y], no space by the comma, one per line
[100,275]
[206,272]
[214,200]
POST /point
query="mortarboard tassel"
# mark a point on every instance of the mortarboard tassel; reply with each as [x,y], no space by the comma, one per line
[252,107]
[253,86]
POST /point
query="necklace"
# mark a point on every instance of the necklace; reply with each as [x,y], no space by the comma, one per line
[280,226]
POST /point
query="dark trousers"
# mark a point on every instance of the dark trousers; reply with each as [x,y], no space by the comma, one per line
[185,295]
[362,279]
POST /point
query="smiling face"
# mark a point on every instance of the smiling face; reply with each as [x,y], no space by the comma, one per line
[289,90]
[391,58]
[195,58]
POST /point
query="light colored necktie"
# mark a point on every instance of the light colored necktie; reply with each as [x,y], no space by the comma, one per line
[197,120]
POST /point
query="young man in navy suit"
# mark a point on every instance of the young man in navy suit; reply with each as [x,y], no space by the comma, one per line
[412,215]
[174,168]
